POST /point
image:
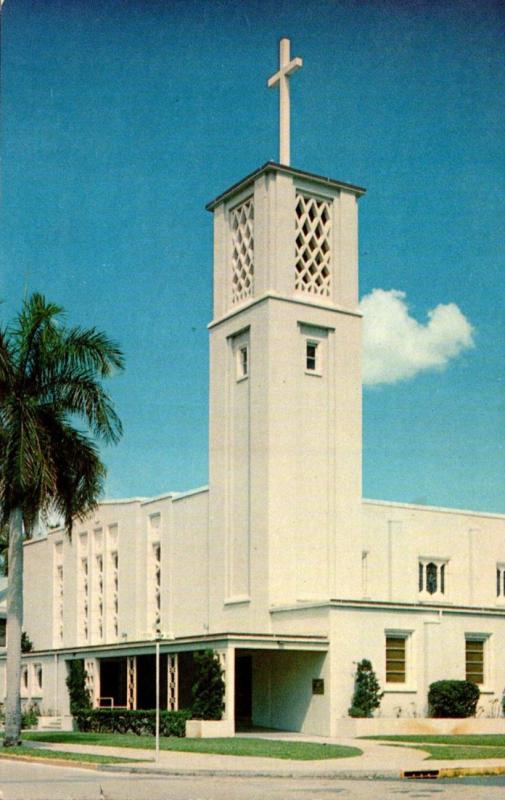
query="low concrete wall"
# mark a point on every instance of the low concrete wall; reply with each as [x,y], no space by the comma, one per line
[382,726]
[209,728]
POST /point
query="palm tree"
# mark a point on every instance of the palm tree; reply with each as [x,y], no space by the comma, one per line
[4,550]
[50,381]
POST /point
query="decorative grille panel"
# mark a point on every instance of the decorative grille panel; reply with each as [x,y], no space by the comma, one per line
[172,682]
[131,686]
[242,226]
[89,679]
[221,654]
[313,224]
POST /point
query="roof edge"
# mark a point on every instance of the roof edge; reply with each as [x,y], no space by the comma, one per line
[273,166]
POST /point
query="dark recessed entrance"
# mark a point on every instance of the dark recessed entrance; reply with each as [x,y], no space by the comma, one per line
[113,682]
[243,690]
[146,681]
[187,677]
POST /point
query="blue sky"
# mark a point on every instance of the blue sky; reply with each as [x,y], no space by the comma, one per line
[121,119]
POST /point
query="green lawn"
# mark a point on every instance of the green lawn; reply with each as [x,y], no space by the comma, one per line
[88,758]
[263,748]
[452,748]
[450,753]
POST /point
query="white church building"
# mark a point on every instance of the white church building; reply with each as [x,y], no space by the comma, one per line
[279,565]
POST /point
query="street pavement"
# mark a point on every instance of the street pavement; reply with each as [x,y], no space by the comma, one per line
[196,776]
[23,781]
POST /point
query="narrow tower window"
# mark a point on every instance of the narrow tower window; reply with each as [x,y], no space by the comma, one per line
[312,356]
[242,362]
[500,580]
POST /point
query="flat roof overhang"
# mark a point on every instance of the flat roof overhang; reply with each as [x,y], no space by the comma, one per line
[273,166]
[238,640]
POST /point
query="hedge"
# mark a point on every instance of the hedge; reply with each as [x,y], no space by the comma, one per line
[454,699]
[122,720]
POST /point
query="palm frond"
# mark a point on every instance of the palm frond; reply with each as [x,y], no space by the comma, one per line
[7,370]
[79,475]
[92,350]
[81,395]
[35,322]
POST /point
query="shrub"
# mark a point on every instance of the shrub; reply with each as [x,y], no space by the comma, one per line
[453,698]
[30,716]
[26,643]
[208,689]
[76,685]
[367,694]
[122,720]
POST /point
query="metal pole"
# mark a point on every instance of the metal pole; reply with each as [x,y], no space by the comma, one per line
[56,698]
[157,753]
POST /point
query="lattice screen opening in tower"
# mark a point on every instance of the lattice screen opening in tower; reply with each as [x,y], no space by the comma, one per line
[313,254]
[242,227]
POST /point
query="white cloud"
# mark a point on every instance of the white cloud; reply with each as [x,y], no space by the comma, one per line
[397,346]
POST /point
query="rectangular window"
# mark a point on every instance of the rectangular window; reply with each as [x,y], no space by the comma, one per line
[474,660]
[312,356]
[154,574]
[240,355]
[58,593]
[156,556]
[500,580]
[364,572]
[396,659]
[314,348]
[242,362]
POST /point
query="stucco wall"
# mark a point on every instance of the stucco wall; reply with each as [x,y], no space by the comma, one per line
[187,578]
[435,650]
[397,535]
[38,585]
[283,695]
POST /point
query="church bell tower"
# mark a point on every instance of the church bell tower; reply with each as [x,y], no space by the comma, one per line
[285,387]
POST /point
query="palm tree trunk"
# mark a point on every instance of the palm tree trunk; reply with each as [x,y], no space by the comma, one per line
[14,629]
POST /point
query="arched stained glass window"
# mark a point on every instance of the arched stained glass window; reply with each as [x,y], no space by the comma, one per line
[431,578]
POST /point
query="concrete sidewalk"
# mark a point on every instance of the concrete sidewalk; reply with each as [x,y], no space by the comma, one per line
[377,761]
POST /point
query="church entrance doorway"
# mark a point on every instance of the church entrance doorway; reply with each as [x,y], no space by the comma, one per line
[113,682]
[280,689]
[146,682]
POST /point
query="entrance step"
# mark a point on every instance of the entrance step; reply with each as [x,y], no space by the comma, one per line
[49,724]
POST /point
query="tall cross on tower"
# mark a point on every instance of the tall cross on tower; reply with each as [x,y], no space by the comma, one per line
[286,68]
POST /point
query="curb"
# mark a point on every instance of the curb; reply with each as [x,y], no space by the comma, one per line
[457,772]
[449,772]
[238,773]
